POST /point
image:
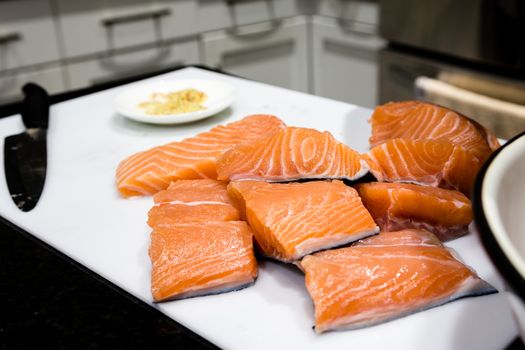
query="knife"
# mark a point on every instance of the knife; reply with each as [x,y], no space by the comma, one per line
[25,154]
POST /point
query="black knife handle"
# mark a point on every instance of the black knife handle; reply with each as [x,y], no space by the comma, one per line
[35,107]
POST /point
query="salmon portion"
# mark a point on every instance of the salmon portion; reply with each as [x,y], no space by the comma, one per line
[179,213]
[237,190]
[198,246]
[295,219]
[396,206]
[385,277]
[426,162]
[421,120]
[401,237]
[204,190]
[200,259]
[150,171]
[190,201]
[292,154]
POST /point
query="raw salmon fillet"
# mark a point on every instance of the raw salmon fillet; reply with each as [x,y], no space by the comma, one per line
[190,201]
[421,120]
[237,190]
[292,154]
[385,277]
[396,206]
[201,258]
[194,190]
[150,171]
[426,162]
[294,219]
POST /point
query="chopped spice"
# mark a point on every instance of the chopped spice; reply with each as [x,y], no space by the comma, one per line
[183,101]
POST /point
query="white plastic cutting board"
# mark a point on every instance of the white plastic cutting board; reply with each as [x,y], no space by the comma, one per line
[81,214]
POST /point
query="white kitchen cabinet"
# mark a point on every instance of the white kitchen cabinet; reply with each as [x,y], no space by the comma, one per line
[220,14]
[360,11]
[274,52]
[27,34]
[324,47]
[345,62]
[106,68]
[100,26]
[50,78]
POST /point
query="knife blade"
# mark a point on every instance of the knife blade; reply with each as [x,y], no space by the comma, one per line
[25,154]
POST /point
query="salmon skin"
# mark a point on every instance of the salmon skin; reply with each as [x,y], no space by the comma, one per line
[292,154]
[385,277]
[396,206]
[198,246]
[199,259]
[294,219]
[148,172]
[189,201]
[421,120]
[426,162]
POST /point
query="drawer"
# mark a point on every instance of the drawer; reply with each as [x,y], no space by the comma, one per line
[361,11]
[27,34]
[331,30]
[103,69]
[104,25]
[220,14]
[274,53]
[345,63]
[52,79]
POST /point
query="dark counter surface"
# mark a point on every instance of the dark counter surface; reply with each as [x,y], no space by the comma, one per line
[50,301]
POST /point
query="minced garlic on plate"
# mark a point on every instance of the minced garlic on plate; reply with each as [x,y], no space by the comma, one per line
[183,101]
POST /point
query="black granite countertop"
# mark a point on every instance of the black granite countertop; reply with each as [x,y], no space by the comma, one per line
[50,300]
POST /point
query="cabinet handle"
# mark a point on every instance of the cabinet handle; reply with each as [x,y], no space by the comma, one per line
[240,31]
[9,37]
[232,2]
[237,30]
[349,25]
[155,14]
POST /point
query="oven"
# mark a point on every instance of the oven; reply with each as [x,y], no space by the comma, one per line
[466,55]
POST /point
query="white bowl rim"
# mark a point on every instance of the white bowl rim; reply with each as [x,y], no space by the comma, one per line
[493,237]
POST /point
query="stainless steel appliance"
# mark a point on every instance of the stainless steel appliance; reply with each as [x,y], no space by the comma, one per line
[474,49]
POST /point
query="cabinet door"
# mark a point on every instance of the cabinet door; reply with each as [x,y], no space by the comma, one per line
[220,14]
[52,79]
[270,52]
[27,34]
[345,62]
[107,68]
[99,26]
[361,11]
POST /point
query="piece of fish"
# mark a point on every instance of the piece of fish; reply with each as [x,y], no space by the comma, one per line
[292,154]
[150,171]
[385,277]
[198,246]
[194,190]
[238,190]
[187,201]
[422,120]
[435,163]
[396,206]
[201,258]
[294,219]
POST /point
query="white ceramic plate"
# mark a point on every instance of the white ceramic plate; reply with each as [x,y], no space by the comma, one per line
[220,96]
